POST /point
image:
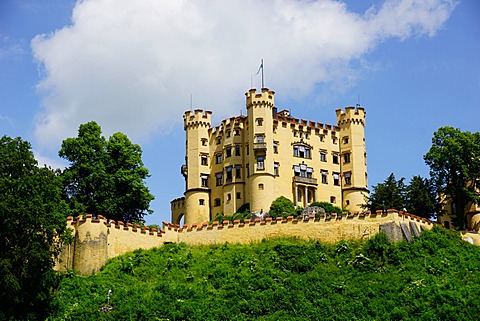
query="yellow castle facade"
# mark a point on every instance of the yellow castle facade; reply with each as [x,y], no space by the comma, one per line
[256,158]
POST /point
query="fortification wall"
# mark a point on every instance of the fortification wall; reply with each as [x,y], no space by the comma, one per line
[97,240]
[328,229]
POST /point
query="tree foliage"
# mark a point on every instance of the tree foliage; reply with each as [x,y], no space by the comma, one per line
[105,176]
[389,194]
[421,197]
[454,161]
[283,207]
[418,197]
[32,219]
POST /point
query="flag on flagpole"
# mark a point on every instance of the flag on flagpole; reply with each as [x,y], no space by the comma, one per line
[259,68]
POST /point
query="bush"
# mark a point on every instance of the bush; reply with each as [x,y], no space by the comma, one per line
[330,208]
[283,207]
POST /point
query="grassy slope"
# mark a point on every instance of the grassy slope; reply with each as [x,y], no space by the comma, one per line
[437,277]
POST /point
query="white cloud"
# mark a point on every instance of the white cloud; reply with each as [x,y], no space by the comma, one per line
[132,65]
[49,161]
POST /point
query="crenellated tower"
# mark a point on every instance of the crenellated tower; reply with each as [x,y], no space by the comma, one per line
[260,109]
[196,169]
[353,157]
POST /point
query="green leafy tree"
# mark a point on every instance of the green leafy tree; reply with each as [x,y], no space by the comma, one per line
[283,207]
[421,197]
[32,221]
[389,194]
[105,176]
[454,161]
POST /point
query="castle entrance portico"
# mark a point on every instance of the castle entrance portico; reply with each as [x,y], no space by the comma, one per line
[305,190]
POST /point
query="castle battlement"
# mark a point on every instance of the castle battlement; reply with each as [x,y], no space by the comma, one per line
[196,118]
[351,114]
[265,97]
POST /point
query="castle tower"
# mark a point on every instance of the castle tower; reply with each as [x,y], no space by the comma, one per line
[260,108]
[196,169]
[353,162]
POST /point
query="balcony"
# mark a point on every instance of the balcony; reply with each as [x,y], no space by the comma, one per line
[259,147]
[305,180]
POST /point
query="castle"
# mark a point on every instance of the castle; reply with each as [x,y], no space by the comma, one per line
[256,158]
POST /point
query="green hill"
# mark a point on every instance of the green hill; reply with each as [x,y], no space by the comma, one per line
[436,277]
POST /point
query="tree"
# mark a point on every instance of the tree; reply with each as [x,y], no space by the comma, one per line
[421,197]
[283,207]
[389,194]
[454,161]
[105,176]
[32,221]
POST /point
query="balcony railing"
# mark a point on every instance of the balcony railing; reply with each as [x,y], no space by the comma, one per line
[305,180]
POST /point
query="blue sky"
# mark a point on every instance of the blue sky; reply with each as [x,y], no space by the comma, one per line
[132,66]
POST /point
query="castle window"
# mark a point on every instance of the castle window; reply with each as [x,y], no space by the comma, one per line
[239,195]
[248,151]
[260,162]
[228,151]
[323,156]
[260,187]
[301,151]
[237,132]
[248,169]
[219,140]
[260,139]
[275,169]
[228,133]
[300,134]
[348,178]
[229,197]
[322,138]
[218,158]
[238,148]
[217,202]
[275,147]
[324,177]
[238,171]
[303,171]
[284,125]
[345,140]
[333,199]
[204,142]
[334,141]
[229,174]
[204,160]
[201,202]
[260,121]
[347,202]
[204,178]
[346,158]
[336,179]
[335,158]
[219,177]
